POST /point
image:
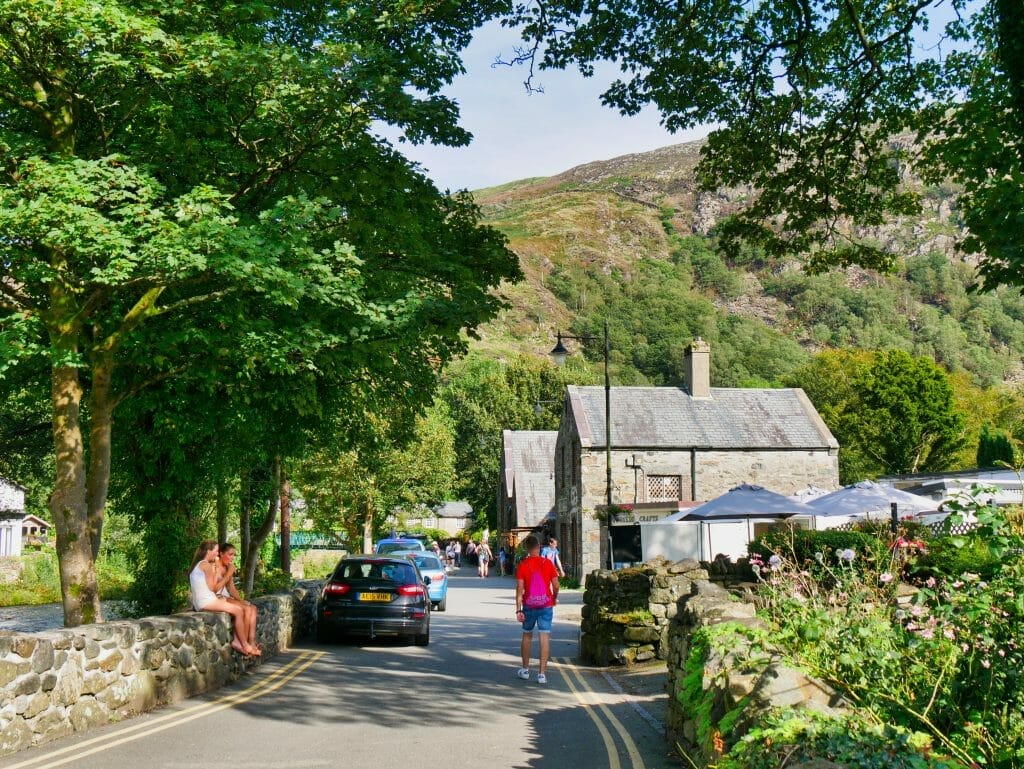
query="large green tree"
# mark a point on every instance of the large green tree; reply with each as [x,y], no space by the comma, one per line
[185,185]
[890,412]
[823,107]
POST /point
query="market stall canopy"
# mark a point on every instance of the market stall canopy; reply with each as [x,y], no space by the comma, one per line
[869,497]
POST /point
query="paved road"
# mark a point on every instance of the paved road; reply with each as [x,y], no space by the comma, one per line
[455,704]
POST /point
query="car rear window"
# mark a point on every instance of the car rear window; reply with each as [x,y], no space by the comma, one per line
[427,562]
[392,547]
[383,571]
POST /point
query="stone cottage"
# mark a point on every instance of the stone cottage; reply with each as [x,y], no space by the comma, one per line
[674,446]
[526,486]
[12,513]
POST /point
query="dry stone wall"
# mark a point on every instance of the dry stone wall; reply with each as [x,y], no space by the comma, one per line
[626,613]
[59,682]
[710,710]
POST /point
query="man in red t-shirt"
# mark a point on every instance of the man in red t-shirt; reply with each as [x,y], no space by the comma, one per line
[536,596]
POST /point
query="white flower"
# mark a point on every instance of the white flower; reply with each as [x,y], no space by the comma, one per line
[775,562]
[847,555]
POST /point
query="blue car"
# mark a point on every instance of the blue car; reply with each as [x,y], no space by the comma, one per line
[397,545]
[430,566]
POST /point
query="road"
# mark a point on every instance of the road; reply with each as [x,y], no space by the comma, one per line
[455,704]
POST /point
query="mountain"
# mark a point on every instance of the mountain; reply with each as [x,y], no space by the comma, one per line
[631,239]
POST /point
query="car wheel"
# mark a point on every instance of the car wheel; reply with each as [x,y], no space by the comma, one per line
[422,639]
[442,604]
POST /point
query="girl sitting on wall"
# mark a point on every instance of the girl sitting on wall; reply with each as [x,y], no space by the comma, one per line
[203,584]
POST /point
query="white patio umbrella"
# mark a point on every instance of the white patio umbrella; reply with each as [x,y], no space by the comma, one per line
[808,493]
[741,504]
[869,497]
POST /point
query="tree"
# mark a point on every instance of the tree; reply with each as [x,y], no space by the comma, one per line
[198,189]
[890,412]
[994,449]
[485,397]
[826,109]
[354,490]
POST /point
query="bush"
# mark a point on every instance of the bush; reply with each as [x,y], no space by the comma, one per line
[802,546]
[787,739]
[271,581]
[951,558]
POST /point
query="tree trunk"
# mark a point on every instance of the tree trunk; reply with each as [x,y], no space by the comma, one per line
[68,505]
[101,414]
[286,526]
[260,536]
[222,510]
[368,529]
[244,514]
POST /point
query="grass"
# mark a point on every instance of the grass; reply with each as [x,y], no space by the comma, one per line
[40,579]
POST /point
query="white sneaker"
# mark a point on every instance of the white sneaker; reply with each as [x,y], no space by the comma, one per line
[541,678]
[523,673]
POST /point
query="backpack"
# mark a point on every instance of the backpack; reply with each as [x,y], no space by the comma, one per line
[535,592]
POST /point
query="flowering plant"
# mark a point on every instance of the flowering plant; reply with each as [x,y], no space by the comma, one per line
[943,657]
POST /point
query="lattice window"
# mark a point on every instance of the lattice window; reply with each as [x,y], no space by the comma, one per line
[664,488]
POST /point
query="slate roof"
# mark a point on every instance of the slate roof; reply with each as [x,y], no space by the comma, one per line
[456,509]
[529,465]
[669,418]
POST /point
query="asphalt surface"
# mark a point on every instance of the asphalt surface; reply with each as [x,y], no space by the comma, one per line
[455,704]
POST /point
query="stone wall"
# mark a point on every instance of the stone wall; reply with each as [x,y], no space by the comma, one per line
[711,710]
[58,682]
[626,614]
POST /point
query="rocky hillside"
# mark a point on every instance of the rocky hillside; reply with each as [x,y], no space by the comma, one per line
[637,224]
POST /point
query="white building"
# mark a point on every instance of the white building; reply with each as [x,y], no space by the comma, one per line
[12,513]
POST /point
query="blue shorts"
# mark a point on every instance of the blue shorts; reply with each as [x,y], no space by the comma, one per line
[541,618]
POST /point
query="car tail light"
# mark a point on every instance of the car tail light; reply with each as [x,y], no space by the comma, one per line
[336,588]
[410,590]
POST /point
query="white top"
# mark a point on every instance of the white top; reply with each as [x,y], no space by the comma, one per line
[201,593]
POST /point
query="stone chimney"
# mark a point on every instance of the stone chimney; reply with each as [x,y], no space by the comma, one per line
[697,369]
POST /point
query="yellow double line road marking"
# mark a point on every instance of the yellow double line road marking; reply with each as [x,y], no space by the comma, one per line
[264,686]
[587,697]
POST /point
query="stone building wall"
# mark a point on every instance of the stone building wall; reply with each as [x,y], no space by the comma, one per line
[626,614]
[714,473]
[59,682]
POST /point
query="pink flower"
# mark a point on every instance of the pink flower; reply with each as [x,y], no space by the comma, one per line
[885,578]
[930,582]
[986,664]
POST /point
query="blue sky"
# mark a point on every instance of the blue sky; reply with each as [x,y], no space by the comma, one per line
[519,134]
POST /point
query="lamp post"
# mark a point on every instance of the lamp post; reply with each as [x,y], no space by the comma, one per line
[559,354]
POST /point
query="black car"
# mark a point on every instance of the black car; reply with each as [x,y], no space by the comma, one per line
[373,595]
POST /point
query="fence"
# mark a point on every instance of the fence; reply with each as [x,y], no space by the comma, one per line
[937,529]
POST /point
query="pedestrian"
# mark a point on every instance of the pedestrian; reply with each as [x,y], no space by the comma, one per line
[456,553]
[484,557]
[226,570]
[203,586]
[551,553]
[502,560]
[536,597]
[471,553]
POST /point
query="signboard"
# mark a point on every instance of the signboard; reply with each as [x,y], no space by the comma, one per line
[633,517]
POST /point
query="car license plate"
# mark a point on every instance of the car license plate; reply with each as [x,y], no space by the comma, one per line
[374,596]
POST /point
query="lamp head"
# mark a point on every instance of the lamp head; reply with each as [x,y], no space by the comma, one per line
[559,353]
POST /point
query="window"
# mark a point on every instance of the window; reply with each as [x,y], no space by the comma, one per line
[664,488]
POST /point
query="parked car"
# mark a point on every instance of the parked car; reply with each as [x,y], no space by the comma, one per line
[430,566]
[372,595]
[397,545]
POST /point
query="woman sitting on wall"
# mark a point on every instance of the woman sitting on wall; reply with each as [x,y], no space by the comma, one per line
[203,583]
[226,589]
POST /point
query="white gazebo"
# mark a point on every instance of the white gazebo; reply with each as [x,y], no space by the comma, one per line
[12,512]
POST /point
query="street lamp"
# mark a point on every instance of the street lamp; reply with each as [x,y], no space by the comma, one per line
[559,354]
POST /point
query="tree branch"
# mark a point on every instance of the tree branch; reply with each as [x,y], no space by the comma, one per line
[175,306]
[20,300]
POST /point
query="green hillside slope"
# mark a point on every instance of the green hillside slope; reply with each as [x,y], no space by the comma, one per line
[631,239]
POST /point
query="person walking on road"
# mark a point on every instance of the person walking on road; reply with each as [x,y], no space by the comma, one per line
[536,597]
[484,556]
[551,553]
